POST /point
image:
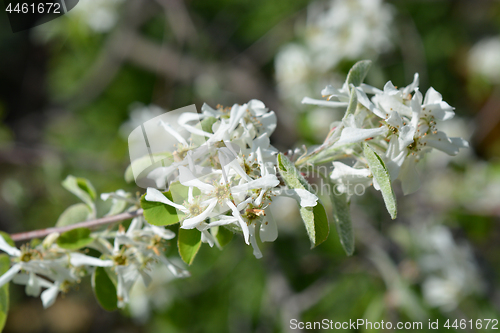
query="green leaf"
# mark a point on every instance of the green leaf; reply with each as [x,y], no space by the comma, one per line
[290,174]
[223,235]
[82,188]
[7,238]
[104,289]
[342,219]
[188,242]
[316,222]
[353,104]
[358,73]
[158,213]
[75,239]
[145,162]
[79,212]
[4,290]
[315,218]
[207,123]
[381,175]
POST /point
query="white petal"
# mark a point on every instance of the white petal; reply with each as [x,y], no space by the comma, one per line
[459,142]
[23,279]
[33,288]
[162,232]
[408,89]
[121,291]
[194,221]
[161,174]
[342,170]
[390,89]
[267,181]
[253,241]
[154,195]
[441,142]
[269,121]
[136,224]
[79,259]
[303,197]
[369,89]
[49,296]
[7,276]
[10,250]
[244,203]
[410,181]
[224,220]
[440,111]
[207,237]
[416,102]
[394,157]
[365,101]
[331,91]
[352,135]
[268,231]
[406,134]
[321,102]
[395,120]
[432,96]
[173,133]
[176,271]
[187,178]
[237,215]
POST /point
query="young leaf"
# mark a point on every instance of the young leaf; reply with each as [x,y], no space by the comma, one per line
[104,289]
[4,290]
[82,188]
[224,236]
[316,222]
[353,104]
[358,73]
[342,219]
[158,213]
[188,242]
[75,239]
[79,212]
[315,218]
[381,175]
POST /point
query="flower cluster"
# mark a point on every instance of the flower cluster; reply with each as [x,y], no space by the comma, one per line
[228,177]
[219,178]
[334,31]
[399,124]
[449,268]
[57,266]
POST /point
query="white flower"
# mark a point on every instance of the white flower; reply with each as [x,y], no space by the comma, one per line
[449,268]
[353,131]
[293,70]
[134,256]
[347,29]
[483,59]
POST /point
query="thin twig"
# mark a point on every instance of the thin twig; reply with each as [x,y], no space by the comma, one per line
[22,236]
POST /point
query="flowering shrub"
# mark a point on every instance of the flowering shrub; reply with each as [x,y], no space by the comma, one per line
[220,179]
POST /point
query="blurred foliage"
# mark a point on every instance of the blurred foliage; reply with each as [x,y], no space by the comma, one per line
[53,125]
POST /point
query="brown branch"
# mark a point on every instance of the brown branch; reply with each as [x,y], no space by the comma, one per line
[22,236]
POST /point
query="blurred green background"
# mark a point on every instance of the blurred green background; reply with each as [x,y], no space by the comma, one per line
[72,89]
